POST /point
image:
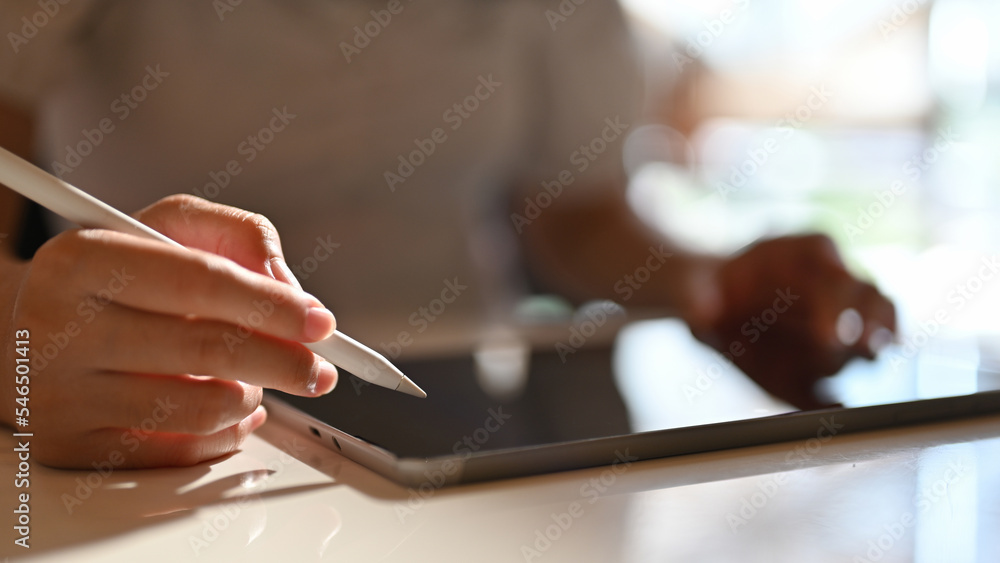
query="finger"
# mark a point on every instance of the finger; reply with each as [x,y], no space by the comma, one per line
[811,345]
[161,344]
[880,320]
[863,319]
[826,319]
[177,404]
[129,449]
[247,238]
[792,378]
[850,326]
[156,277]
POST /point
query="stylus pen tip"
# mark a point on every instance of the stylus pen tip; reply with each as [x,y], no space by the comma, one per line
[410,388]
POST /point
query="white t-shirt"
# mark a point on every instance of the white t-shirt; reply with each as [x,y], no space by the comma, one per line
[381,138]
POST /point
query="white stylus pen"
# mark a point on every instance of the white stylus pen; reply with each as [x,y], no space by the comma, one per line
[87,211]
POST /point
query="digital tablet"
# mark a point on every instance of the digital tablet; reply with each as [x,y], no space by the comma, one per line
[655,392]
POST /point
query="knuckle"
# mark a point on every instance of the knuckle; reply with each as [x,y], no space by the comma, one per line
[238,435]
[220,402]
[869,295]
[179,201]
[182,204]
[215,276]
[196,280]
[191,450]
[261,234]
[262,224]
[186,451]
[304,363]
[207,344]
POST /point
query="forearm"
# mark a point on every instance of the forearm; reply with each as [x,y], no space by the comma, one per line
[598,249]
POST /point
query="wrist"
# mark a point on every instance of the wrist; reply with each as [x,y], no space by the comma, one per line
[686,286]
[699,294]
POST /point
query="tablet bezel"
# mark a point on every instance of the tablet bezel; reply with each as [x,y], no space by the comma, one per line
[469,467]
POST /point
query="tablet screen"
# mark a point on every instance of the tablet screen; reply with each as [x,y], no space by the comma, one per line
[654,377]
[558,402]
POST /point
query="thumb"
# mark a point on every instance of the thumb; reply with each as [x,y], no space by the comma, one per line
[247,238]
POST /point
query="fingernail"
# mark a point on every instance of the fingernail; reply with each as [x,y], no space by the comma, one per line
[283,273]
[325,381]
[319,324]
[850,327]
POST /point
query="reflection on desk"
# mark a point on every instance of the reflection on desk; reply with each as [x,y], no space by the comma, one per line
[926,493]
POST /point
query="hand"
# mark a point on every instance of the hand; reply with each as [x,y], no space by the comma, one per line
[788,313]
[120,324]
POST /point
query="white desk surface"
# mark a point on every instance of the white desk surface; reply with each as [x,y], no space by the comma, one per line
[925,493]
